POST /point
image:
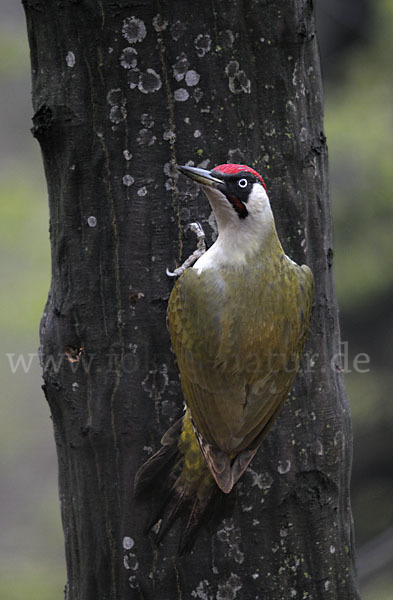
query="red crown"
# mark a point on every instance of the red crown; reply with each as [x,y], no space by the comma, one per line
[229,169]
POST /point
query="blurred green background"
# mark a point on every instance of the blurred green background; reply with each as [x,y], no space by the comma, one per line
[357,48]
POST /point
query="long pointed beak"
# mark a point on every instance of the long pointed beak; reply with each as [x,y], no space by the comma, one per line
[200,175]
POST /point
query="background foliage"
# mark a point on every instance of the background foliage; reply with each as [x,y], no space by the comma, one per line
[357,48]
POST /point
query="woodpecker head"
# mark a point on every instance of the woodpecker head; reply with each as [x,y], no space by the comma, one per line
[237,195]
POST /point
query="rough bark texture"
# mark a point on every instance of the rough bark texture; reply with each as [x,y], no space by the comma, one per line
[122,90]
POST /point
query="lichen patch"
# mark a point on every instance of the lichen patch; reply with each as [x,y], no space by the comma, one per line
[133,30]
[202,44]
[149,82]
[70,59]
[128,58]
[238,81]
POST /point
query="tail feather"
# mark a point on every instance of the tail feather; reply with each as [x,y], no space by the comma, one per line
[178,476]
[193,523]
[170,515]
[154,469]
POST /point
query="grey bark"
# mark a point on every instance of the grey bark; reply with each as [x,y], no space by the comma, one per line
[122,91]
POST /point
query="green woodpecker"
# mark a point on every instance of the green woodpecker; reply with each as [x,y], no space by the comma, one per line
[238,320]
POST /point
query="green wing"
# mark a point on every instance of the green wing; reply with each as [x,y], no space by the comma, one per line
[238,336]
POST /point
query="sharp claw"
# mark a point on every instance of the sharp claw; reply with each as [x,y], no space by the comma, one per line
[196,228]
[171,273]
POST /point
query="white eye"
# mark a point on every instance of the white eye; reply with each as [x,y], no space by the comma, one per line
[243,183]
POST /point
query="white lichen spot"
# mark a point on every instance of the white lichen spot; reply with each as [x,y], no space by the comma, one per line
[295,74]
[202,44]
[319,448]
[132,562]
[170,169]
[290,106]
[197,133]
[303,134]
[128,58]
[255,575]
[128,543]
[270,132]
[192,78]
[146,137]
[177,30]
[226,39]
[75,386]
[231,536]
[159,23]
[203,165]
[262,480]
[169,136]
[128,180]
[147,120]
[237,79]
[229,589]
[127,154]
[149,82]
[117,114]
[198,95]
[70,59]
[142,191]
[332,549]
[283,532]
[202,591]
[235,156]
[181,95]
[180,67]
[338,440]
[114,97]
[133,582]
[156,381]
[327,584]
[133,78]
[293,593]
[92,221]
[133,30]
[117,103]
[284,466]
[125,562]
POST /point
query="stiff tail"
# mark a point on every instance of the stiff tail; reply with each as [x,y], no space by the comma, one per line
[178,474]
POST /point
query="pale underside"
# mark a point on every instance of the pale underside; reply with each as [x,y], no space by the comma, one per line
[238,334]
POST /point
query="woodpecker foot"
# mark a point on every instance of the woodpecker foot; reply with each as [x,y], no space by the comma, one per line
[200,249]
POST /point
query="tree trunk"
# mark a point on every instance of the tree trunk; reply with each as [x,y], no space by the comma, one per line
[122,91]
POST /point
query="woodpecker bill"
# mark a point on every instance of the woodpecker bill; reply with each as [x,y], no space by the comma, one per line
[238,319]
